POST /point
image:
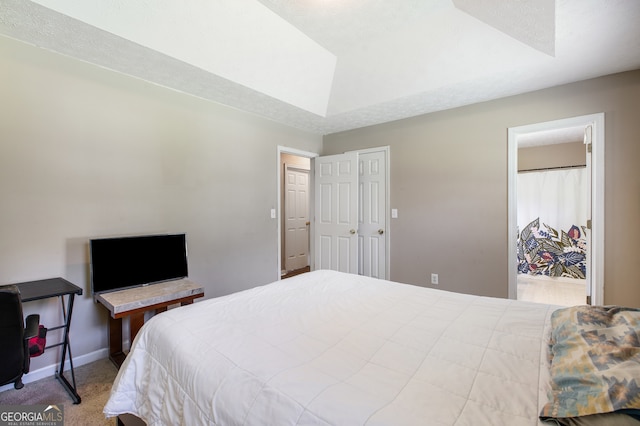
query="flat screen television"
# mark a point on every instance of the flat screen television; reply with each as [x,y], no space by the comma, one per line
[124,262]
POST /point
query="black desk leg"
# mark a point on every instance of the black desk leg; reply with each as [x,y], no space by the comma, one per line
[71,389]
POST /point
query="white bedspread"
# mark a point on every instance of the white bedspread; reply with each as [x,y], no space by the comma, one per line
[327,348]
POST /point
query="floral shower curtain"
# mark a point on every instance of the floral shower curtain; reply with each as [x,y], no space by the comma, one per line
[552,219]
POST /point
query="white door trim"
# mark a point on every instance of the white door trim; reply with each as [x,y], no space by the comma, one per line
[293,151]
[597,197]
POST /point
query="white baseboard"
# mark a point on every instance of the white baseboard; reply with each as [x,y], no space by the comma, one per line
[50,370]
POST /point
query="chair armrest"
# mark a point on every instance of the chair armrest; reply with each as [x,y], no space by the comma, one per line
[31,330]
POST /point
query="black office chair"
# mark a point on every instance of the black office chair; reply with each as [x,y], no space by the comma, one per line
[14,337]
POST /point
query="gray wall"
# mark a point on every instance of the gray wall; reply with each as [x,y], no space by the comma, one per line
[449,184]
[86,152]
[567,154]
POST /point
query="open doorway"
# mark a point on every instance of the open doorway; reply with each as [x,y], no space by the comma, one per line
[552,210]
[295,215]
[295,207]
[588,133]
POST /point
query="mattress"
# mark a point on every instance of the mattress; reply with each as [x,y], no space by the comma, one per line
[327,348]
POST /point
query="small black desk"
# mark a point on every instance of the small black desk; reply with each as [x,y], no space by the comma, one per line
[56,287]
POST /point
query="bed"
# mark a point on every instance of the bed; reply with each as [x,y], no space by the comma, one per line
[327,348]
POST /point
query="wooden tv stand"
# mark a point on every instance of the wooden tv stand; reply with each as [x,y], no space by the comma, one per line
[134,302]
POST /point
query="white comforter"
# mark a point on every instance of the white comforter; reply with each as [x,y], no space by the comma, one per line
[330,348]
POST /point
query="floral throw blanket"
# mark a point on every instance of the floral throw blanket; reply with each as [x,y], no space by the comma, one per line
[542,250]
[595,362]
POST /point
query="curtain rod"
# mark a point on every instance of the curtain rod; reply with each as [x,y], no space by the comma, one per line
[578,166]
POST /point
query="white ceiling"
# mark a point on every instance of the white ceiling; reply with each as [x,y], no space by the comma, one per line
[331,65]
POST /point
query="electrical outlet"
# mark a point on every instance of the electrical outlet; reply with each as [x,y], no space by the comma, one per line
[434,279]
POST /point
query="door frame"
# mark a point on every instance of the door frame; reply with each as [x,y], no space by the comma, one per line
[300,153]
[597,198]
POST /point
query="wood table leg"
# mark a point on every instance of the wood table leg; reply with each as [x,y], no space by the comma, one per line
[116,355]
[136,321]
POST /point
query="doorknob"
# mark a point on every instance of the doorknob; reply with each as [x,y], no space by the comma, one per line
[380,231]
[353,231]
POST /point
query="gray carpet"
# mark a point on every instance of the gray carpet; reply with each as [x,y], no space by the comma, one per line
[94,384]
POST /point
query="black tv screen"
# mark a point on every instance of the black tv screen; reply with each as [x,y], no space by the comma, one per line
[124,262]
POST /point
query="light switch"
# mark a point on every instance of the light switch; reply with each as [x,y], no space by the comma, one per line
[394,213]
[273,213]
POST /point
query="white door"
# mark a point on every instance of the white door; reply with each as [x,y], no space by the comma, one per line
[296,237]
[371,214]
[336,217]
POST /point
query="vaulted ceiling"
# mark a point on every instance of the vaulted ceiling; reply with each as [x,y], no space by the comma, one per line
[326,66]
